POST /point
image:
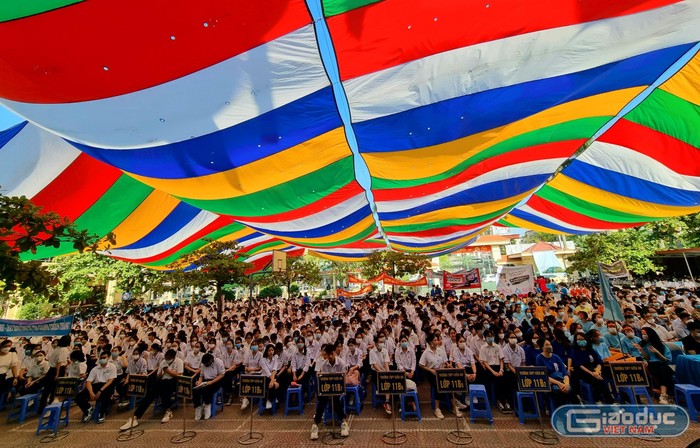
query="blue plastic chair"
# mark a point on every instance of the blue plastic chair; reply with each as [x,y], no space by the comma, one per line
[327,411]
[477,408]
[520,408]
[684,395]
[355,392]
[23,407]
[217,402]
[261,406]
[445,401]
[51,418]
[413,395]
[299,406]
[633,394]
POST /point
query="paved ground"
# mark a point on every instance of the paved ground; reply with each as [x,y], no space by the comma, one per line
[365,431]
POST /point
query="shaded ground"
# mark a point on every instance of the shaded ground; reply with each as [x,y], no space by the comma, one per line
[293,431]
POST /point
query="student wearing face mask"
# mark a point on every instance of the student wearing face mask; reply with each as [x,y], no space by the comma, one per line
[58,359]
[533,349]
[136,365]
[405,359]
[252,365]
[98,387]
[491,358]
[558,375]
[587,366]
[166,385]
[463,358]
[629,344]
[300,366]
[379,361]
[36,374]
[658,357]
[513,357]
[120,363]
[233,365]
[612,337]
[212,372]
[193,360]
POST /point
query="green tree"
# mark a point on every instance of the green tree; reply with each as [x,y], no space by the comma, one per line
[396,264]
[213,266]
[636,247]
[24,228]
[270,292]
[534,237]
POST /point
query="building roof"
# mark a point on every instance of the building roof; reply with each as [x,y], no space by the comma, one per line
[489,240]
[542,247]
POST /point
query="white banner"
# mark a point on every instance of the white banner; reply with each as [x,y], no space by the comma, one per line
[516,280]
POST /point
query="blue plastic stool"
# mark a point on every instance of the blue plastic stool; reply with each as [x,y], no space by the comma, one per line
[684,394]
[51,418]
[261,406]
[327,411]
[586,393]
[632,396]
[28,405]
[217,402]
[520,411]
[294,392]
[476,409]
[412,394]
[355,392]
[444,400]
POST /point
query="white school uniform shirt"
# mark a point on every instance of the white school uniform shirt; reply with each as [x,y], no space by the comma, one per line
[514,357]
[101,374]
[300,361]
[175,365]
[491,354]
[231,359]
[195,361]
[405,360]
[465,358]
[377,357]
[215,369]
[269,365]
[432,359]
[351,359]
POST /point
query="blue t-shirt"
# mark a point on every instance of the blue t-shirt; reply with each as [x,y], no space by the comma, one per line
[602,350]
[555,366]
[627,347]
[653,357]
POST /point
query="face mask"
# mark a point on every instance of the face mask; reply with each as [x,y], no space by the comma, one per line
[580,331]
[196,351]
[487,326]
[513,341]
[529,315]
[39,359]
[600,321]
[136,358]
[645,337]
[535,341]
[490,340]
[212,345]
[115,355]
[224,339]
[238,346]
[301,346]
[5,350]
[561,314]
[462,345]
[229,347]
[27,352]
[103,362]
[518,335]
[254,348]
[654,315]
[581,343]
[317,336]
[501,335]
[296,339]
[404,345]
[379,347]
[612,330]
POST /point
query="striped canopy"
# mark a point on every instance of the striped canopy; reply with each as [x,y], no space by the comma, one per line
[344,127]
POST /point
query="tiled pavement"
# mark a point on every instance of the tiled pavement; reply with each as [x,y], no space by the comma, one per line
[293,431]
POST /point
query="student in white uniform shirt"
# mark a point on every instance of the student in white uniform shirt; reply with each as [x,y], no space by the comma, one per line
[431,360]
[193,360]
[379,361]
[252,365]
[136,365]
[212,372]
[269,365]
[98,386]
[233,364]
[36,373]
[491,358]
[331,364]
[166,385]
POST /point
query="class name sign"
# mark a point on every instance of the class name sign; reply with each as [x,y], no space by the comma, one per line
[533,379]
[451,381]
[391,383]
[252,386]
[629,374]
[331,384]
[137,385]
[184,386]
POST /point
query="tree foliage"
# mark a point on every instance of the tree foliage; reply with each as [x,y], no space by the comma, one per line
[270,292]
[302,269]
[24,228]
[396,264]
[535,237]
[636,247]
[214,265]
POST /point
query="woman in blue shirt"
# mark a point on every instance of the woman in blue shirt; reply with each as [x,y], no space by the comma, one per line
[658,356]
[558,375]
[630,343]
[587,366]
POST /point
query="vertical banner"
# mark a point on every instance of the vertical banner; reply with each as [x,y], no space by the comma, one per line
[461,280]
[519,280]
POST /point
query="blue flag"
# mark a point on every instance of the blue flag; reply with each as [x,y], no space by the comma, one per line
[612,307]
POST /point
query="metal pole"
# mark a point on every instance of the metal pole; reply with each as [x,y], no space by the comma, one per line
[688,266]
